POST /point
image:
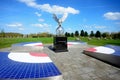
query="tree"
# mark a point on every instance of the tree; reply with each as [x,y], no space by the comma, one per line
[76,33]
[104,35]
[92,34]
[115,35]
[2,33]
[72,34]
[98,34]
[118,35]
[82,33]
[86,34]
[66,34]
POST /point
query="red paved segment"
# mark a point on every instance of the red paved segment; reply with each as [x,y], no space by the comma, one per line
[38,54]
[91,49]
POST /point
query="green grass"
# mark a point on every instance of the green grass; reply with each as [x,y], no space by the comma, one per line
[7,42]
[101,42]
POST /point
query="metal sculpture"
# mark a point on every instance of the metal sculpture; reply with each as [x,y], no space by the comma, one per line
[60,29]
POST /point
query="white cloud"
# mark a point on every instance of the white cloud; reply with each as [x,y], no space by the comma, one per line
[58,9]
[21,29]
[63,18]
[92,27]
[112,15]
[14,25]
[100,27]
[68,30]
[44,25]
[18,26]
[41,20]
[38,14]
[29,2]
[37,25]
[51,9]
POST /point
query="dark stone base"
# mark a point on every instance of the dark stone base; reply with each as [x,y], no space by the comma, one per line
[60,44]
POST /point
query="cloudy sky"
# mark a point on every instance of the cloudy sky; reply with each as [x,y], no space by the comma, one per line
[34,16]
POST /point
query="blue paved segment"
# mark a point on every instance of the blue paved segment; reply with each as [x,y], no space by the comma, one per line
[24,43]
[116,48]
[19,70]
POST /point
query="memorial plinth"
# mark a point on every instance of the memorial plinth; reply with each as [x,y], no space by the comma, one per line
[60,44]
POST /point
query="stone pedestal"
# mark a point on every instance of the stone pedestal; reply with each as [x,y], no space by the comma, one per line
[60,44]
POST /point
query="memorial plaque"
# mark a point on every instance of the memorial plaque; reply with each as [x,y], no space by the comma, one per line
[60,44]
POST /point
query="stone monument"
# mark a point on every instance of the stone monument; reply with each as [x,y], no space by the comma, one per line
[60,41]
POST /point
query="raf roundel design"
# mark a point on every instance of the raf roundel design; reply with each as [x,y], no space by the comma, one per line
[104,50]
[72,43]
[29,57]
[34,44]
[101,49]
[91,49]
[25,66]
[108,53]
[75,43]
[38,54]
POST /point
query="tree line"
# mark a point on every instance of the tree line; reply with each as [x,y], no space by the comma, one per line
[10,35]
[81,33]
[96,34]
[19,35]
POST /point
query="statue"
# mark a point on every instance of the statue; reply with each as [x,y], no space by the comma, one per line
[60,41]
[60,30]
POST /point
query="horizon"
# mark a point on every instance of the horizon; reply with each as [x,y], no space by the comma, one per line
[36,16]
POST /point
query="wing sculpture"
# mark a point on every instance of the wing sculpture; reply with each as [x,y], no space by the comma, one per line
[63,18]
[60,30]
[55,17]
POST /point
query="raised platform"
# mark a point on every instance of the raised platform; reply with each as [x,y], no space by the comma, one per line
[27,66]
[108,53]
[27,46]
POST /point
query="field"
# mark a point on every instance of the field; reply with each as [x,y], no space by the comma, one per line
[101,42]
[7,42]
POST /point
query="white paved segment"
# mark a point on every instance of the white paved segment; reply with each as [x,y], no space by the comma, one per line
[34,44]
[104,50]
[27,58]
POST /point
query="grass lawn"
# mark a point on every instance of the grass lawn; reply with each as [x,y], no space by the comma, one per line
[101,42]
[7,42]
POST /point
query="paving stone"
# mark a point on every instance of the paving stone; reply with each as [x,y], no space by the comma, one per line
[93,75]
[105,78]
[86,77]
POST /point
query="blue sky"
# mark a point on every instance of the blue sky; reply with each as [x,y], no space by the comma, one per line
[36,16]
